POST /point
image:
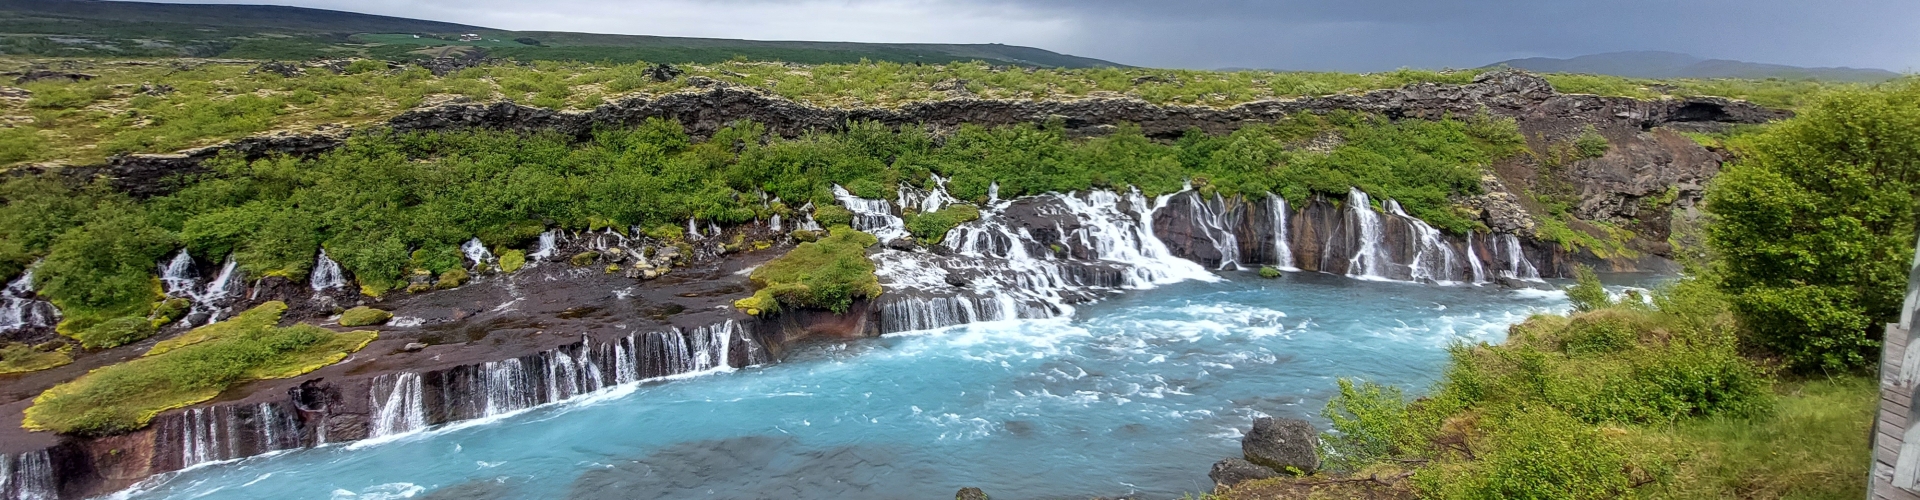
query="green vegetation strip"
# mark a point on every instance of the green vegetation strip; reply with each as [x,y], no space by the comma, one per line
[826,274]
[192,368]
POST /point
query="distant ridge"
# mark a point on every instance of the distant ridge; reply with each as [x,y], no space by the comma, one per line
[1658,64]
[144,29]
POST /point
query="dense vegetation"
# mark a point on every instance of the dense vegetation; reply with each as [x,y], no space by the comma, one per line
[1745,379]
[1815,226]
[387,206]
[826,274]
[139,106]
[188,369]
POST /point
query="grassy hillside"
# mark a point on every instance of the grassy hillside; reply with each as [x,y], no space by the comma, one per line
[1655,64]
[135,29]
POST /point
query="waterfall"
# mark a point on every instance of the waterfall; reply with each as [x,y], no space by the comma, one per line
[773,224]
[28,478]
[1517,265]
[1283,253]
[1370,255]
[476,252]
[177,277]
[543,250]
[872,216]
[996,268]
[20,309]
[1473,258]
[1433,257]
[1210,219]
[276,431]
[398,405]
[693,230]
[506,387]
[327,274]
[217,299]
[928,200]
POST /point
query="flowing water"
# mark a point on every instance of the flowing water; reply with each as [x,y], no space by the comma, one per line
[1136,394]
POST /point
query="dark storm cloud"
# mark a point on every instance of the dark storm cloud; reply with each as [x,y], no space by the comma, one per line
[1354,35]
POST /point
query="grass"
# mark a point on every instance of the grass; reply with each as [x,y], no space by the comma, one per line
[190,369]
[85,122]
[1815,446]
[826,274]
[20,358]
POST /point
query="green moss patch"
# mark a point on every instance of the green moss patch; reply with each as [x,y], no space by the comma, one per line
[930,228]
[19,358]
[190,369]
[826,274]
[364,316]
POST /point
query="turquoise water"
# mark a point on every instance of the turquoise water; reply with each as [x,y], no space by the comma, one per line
[1137,395]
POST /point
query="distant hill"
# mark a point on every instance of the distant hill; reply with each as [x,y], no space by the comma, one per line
[1656,64]
[91,28]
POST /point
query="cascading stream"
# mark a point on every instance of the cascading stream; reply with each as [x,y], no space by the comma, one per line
[1370,259]
[477,253]
[20,309]
[327,274]
[1283,252]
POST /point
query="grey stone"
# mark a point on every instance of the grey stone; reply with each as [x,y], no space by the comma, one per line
[1284,444]
[1232,471]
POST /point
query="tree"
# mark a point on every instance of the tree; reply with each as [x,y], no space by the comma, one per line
[1815,225]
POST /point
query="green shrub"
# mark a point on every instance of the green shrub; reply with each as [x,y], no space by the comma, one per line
[1590,144]
[364,316]
[1587,293]
[1369,424]
[512,260]
[193,368]
[1269,272]
[1600,332]
[832,215]
[116,332]
[1815,226]
[930,228]
[827,274]
[1536,452]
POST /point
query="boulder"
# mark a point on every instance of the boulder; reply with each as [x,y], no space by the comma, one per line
[970,494]
[1232,471]
[1286,445]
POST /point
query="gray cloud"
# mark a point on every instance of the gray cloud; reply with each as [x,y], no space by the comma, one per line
[1352,35]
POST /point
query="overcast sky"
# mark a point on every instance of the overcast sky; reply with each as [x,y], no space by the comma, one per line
[1350,35]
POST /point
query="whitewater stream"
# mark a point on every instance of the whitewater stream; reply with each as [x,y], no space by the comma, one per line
[1135,395]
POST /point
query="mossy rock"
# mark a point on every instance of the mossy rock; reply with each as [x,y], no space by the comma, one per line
[453,278]
[584,259]
[805,235]
[611,268]
[168,311]
[1269,272]
[512,260]
[364,316]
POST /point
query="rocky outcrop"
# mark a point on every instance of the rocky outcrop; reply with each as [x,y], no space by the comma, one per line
[1287,444]
[1232,471]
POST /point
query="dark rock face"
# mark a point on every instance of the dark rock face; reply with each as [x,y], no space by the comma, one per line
[1282,445]
[1232,471]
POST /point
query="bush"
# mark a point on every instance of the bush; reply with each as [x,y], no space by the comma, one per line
[1587,293]
[832,215]
[827,274]
[930,228]
[1601,332]
[190,369]
[1815,226]
[364,316]
[1536,452]
[1591,144]
[1369,424]
[116,332]
[1269,272]
[20,358]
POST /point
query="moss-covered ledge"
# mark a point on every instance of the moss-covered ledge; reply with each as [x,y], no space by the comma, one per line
[826,274]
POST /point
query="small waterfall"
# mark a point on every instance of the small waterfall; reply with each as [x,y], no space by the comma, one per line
[200,435]
[327,274]
[21,309]
[549,241]
[1473,258]
[177,277]
[1518,267]
[1433,257]
[1283,253]
[928,200]
[693,230]
[1370,255]
[217,300]
[277,431]
[398,405]
[29,477]
[773,224]
[506,387]
[872,216]
[1211,218]
[476,253]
